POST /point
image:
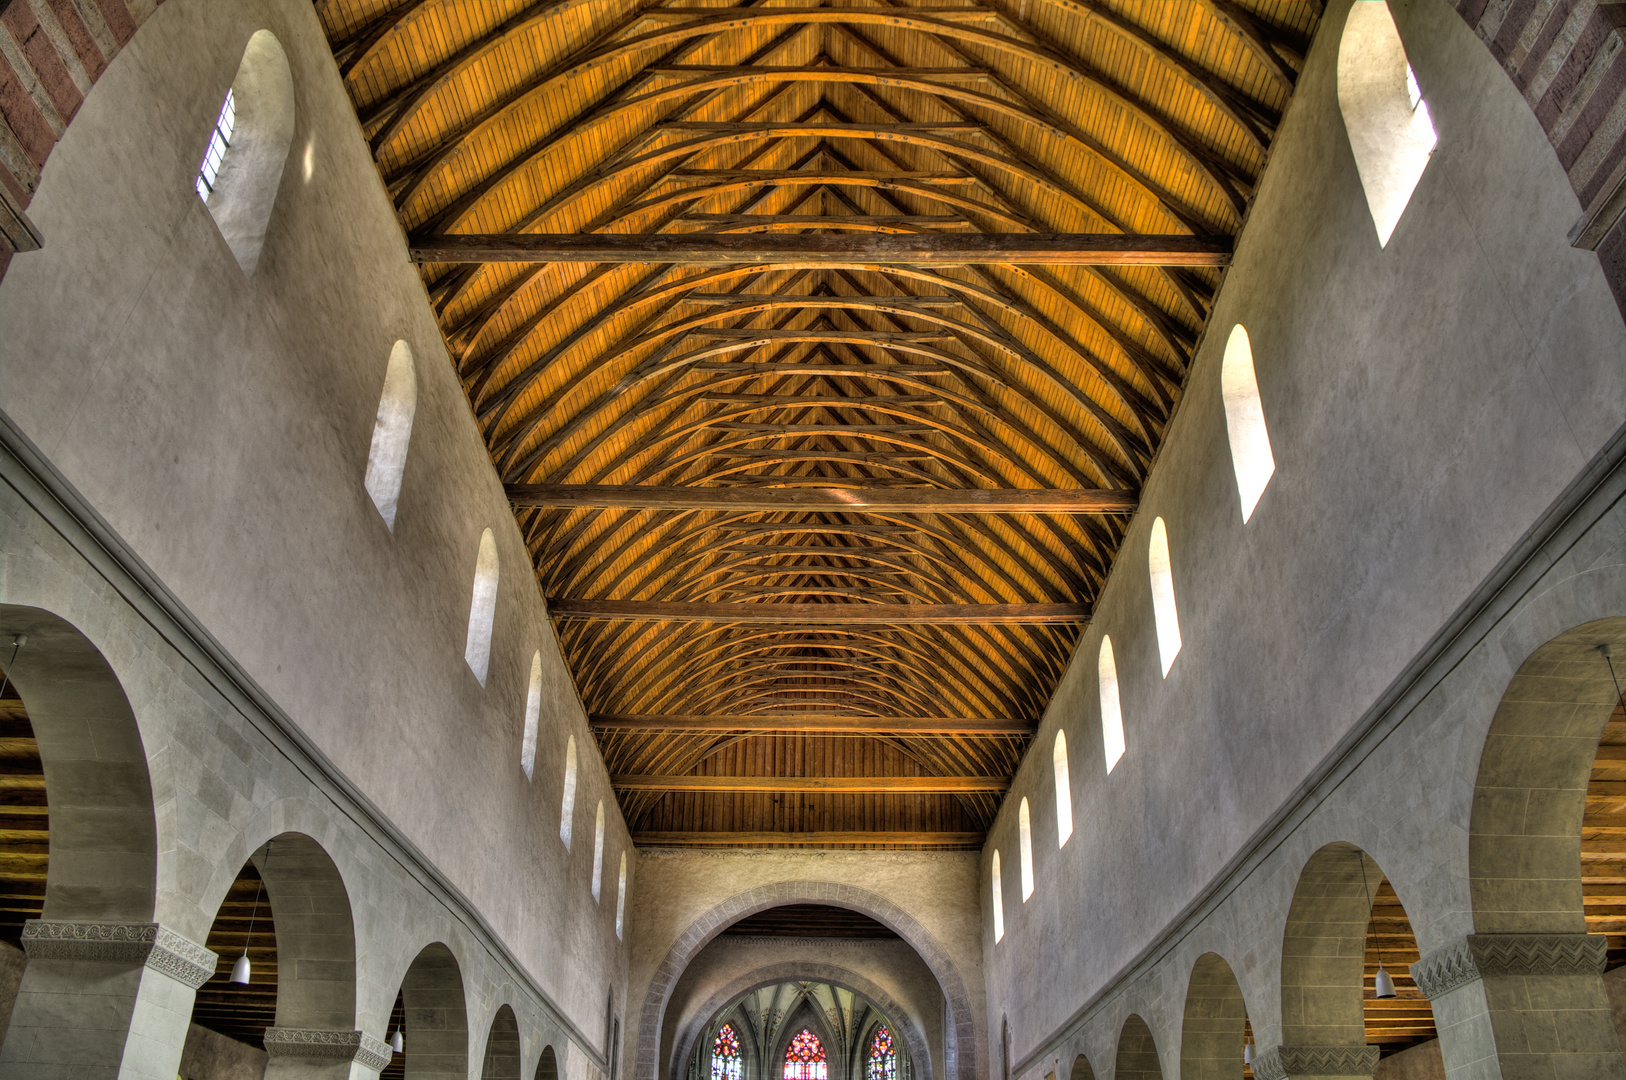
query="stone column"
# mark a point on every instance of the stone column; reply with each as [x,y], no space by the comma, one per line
[101,1000]
[315,1054]
[1321,1062]
[1510,1006]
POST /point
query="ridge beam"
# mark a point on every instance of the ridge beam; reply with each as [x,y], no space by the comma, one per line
[846,500]
[827,614]
[894,785]
[816,722]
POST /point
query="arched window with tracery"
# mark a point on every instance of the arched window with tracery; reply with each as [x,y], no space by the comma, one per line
[804,1058]
[883,1057]
[726,1063]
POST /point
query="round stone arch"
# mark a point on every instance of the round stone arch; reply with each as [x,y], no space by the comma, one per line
[1211,1029]
[960,1040]
[684,1042]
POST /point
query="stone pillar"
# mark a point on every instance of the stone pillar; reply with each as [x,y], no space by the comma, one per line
[1510,1006]
[101,1000]
[1320,1062]
[315,1054]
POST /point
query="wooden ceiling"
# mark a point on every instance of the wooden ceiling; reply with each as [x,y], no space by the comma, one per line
[824,349]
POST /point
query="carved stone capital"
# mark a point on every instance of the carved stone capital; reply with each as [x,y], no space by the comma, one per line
[1479,956]
[327,1045]
[148,944]
[1286,1062]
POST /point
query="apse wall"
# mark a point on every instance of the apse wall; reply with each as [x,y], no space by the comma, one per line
[1426,403]
[221,423]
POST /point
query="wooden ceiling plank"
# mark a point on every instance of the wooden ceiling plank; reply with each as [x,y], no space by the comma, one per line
[815,614]
[938,501]
[892,785]
[815,722]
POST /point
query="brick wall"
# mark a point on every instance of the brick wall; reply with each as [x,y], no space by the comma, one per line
[1568,59]
[51,53]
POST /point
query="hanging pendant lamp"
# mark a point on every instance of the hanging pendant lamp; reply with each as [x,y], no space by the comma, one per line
[1382,986]
[241,971]
[398,1040]
[1247,1052]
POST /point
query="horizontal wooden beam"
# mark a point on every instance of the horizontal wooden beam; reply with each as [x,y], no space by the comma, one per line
[819,722]
[883,785]
[801,614]
[934,249]
[823,839]
[848,500]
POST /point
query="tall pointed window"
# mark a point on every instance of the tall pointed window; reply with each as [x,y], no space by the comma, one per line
[1245,421]
[482,608]
[248,146]
[1112,716]
[392,431]
[882,1063]
[621,897]
[804,1058]
[1390,130]
[1064,790]
[533,717]
[1024,836]
[999,900]
[598,850]
[726,1062]
[1162,574]
[567,812]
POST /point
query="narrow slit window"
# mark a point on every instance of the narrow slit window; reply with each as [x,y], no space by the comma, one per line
[533,717]
[482,608]
[248,146]
[1064,791]
[392,431]
[1112,717]
[621,897]
[567,811]
[1163,609]
[219,142]
[999,901]
[1251,458]
[598,851]
[1390,130]
[1024,836]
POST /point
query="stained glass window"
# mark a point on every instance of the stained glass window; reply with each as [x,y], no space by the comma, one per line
[725,1055]
[883,1057]
[804,1058]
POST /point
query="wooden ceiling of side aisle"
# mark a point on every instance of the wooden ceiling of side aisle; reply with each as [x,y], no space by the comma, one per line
[860,119]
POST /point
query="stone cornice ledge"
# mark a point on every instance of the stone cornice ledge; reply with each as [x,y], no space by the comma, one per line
[49,494]
[327,1045]
[146,944]
[1283,1062]
[1490,955]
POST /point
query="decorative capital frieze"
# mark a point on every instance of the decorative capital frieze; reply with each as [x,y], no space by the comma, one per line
[148,944]
[1287,1062]
[327,1045]
[1490,955]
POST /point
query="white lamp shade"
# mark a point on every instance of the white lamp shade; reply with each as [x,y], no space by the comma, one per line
[240,970]
[1383,986]
[1247,1053]
[397,1041]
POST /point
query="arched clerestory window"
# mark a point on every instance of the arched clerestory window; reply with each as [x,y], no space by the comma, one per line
[1251,458]
[482,608]
[567,810]
[1064,790]
[1024,838]
[726,1061]
[598,851]
[999,900]
[621,897]
[248,146]
[1112,716]
[533,717]
[1390,130]
[392,431]
[1163,610]
[804,1058]
[882,1060]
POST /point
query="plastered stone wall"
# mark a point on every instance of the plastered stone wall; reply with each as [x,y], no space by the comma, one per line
[220,424]
[1427,404]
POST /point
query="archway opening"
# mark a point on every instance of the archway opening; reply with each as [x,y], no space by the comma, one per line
[243,926]
[547,1067]
[432,1017]
[800,1029]
[25,835]
[1137,1052]
[1214,1031]
[501,1060]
